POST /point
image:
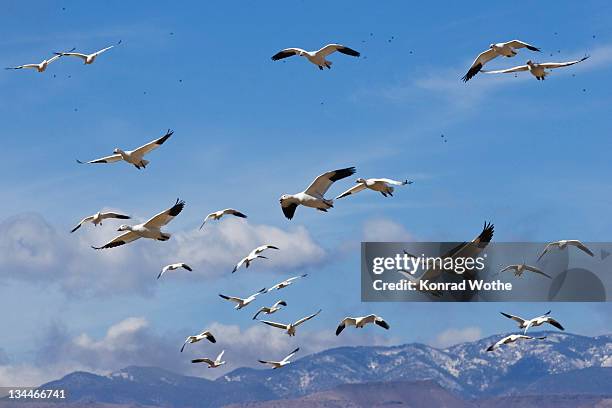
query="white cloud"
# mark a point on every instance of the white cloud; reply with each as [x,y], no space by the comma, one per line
[385,230]
[33,250]
[454,336]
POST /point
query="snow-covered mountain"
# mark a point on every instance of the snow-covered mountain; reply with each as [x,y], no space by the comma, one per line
[466,370]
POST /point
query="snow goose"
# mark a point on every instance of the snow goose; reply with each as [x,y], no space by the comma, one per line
[536,321]
[564,243]
[270,310]
[211,364]
[291,327]
[240,302]
[382,185]
[98,217]
[87,58]
[135,156]
[199,337]
[286,282]
[359,322]
[316,57]
[538,70]
[313,196]
[506,49]
[465,250]
[40,67]
[150,229]
[520,268]
[283,362]
[511,339]
[218,214]
[173,267]
[254,254]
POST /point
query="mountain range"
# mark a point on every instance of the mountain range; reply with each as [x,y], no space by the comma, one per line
[564,368]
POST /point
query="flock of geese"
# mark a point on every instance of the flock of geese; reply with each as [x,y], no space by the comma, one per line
[525,324]
[312,197]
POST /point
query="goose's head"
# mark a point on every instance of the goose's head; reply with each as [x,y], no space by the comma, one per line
[284,197]
[529,62]
[360,180]
[124,227]
[117,151]
[491,46]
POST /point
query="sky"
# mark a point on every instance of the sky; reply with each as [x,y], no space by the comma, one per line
[533,157]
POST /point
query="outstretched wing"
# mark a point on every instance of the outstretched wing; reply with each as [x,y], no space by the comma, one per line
[478,63]
[517,319]
[286,53]
[508,70]
[103,50]
[545,250]
[144,149]
[353,190]
[536,270]
[521,44]
[165,216]
[114,215]
[303,319]
[551,65]
[331,48]
[289,209]
[122,239]
[581,246]
[236,213]
[84,220]
[203,360]
[291,354]
[555,323]
[274,324]
[108,159]
[322,183]
[231,298]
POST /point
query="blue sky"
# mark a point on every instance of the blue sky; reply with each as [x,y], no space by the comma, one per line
[532,157]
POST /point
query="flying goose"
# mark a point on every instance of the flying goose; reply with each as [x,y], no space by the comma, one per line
[283,362]
[150,229]
[313,196]
[254,254]
[316,57]
[465,250]
[564,243]
[359,322]
[198,337]
[520,268]
[240,303]
[173,267]
[287,282]
[538,70]
[211,363]
[511,339]
[507,49]
[272,309]
[98,217]
[291,327]
[135,156]
[87,58]
[381,185]
[536,321]
[40,67]
[218,214]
